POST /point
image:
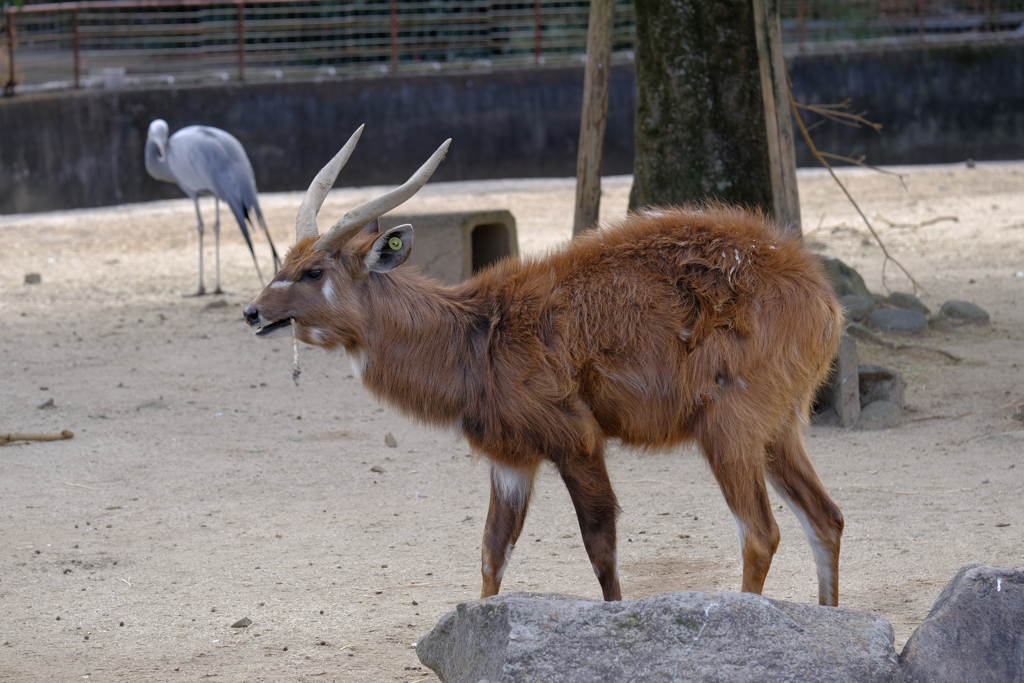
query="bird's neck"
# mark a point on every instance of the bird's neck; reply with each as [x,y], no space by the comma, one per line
[157,165]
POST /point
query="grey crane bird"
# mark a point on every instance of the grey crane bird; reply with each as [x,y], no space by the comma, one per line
[208,161]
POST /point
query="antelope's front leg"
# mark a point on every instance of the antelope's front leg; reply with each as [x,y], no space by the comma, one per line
[510,498]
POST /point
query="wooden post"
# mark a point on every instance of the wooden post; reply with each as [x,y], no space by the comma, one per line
[12,77]
[241,40]
[778,121]
[394,35]
[538,59]
[75,49]
[801,24]
[595,114]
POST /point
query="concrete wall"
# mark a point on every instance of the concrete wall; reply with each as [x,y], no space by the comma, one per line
[81,149]
[937,104]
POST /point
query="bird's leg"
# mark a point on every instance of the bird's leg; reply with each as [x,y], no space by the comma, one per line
[216,236]
[199,227]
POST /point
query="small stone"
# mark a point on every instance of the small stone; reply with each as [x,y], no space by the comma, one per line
[390,441]
[897,320]
[971,163]
[46,405]
[377,468]
[965,312]
[33,278]
[880,384]
[904,300]
[242,623]
[940,323]
[845,280]
[857,307]
[880,415]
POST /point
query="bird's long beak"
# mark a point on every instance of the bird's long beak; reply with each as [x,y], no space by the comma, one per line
[162,148]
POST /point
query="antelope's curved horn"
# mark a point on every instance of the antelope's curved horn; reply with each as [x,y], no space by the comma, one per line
[305,220]
[366,212]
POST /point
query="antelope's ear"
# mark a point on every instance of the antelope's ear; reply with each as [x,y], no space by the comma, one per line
[390,250]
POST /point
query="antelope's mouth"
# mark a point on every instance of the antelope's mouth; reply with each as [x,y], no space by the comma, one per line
[275,329]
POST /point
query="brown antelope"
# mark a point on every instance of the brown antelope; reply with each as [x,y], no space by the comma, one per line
[704,325]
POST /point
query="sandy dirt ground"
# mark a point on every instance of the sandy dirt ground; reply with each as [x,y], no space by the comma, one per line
[203,487]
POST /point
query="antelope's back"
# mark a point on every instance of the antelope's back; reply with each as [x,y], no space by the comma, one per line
[671,313]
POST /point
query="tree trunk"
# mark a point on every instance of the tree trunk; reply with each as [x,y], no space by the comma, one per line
[594,117]
[700,121]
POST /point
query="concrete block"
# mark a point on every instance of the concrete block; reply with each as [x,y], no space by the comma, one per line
[838,400]
[450,247]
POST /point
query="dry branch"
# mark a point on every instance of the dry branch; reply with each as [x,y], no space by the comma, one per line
[857,119]
[15,436]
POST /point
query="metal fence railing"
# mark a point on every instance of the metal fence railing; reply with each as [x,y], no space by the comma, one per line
[137,42]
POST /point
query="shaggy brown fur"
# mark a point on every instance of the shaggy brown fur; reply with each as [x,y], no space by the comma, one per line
[704,325]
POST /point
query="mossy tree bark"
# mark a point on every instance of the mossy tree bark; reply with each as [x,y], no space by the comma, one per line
[700,121]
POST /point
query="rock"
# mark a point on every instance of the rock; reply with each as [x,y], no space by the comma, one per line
[390,441]
[33,278]
[904,300]
[378,469]
[838,399]
[244,622]
[856,306]
[880,384]
[974,632]
[940,323]
[880,415]
[965,312]
[690,636]
[845,280]
[897,320]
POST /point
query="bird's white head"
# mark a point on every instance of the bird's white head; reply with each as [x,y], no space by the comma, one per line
[158,135]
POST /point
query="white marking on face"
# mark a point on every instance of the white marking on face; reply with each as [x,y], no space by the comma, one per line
[822,558]
[741,383]
[281,284]
[357,360]
[511,485]
[329,293]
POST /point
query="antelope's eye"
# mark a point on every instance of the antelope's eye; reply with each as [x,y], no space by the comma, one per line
[314,274]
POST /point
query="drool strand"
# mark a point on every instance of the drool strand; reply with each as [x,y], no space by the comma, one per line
[296,368]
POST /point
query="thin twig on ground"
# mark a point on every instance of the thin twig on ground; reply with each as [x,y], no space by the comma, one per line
[15,436]
[864,334]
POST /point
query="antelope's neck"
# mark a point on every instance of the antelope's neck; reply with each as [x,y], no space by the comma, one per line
[424,346]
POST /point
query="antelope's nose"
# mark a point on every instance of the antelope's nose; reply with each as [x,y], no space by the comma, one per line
[251,314]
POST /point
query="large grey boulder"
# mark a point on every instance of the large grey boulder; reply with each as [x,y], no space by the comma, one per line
[975,631]
[690,636]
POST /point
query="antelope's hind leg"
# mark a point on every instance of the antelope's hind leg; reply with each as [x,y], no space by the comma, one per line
[510,497]
[590,489]
[793,477]
[737,461]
